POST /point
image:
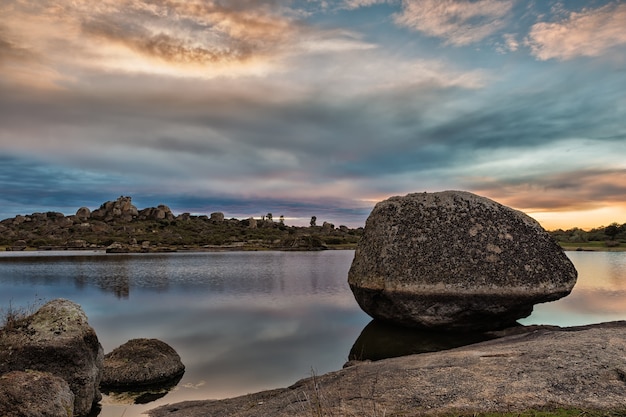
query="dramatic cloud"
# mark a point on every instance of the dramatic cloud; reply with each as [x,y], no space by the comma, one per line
[591,32]
[459,22]
[255,106]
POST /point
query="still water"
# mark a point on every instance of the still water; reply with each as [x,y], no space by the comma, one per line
[247,321]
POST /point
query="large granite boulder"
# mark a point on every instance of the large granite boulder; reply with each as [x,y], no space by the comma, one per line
[56,339]
[35,394]
[454,260]
[140,362]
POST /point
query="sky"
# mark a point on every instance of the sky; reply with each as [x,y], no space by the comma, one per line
[313,107]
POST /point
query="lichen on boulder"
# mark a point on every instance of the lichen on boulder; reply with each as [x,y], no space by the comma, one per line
[33,393]
[56,339]
[456,261]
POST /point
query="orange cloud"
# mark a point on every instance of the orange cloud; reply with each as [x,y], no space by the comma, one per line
[585,199]
[591,32]
[459,22]
[162,36]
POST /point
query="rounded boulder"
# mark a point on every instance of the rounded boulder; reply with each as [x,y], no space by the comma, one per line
[141,362]
[453,260]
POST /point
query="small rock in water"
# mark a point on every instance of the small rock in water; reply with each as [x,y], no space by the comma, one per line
[457,261]
[141,362]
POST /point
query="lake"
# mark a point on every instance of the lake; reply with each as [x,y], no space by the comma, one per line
[247,321]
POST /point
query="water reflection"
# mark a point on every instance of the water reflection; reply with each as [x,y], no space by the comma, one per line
[248,321]
[380,340]
[143,395]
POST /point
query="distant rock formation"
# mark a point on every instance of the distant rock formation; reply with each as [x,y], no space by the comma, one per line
[161,212]
[217,216]
[141,362]
[455,260]
[83,213]
[120,209]
[119,226]
[56,339]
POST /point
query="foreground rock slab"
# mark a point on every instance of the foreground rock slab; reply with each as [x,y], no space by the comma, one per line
[141,362]
[30,394]
[455,260]
[56,339]
[582,367]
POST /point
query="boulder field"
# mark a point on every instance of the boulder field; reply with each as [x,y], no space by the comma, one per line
[52,364]
[456,261]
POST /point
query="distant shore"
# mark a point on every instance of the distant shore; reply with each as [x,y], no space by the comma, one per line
[171,249]
[591,247]
[567,246]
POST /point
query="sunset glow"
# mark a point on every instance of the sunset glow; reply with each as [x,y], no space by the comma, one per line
[313,107]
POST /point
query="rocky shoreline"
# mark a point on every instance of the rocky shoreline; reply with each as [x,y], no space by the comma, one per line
[535,368]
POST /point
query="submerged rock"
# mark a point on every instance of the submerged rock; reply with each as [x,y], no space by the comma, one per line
[32,393]
[141,362]
[455,260]
[56,339]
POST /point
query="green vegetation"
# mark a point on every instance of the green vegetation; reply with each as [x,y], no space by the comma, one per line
[611,237]
[181,232]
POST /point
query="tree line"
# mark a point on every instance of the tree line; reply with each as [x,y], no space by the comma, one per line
[611,233]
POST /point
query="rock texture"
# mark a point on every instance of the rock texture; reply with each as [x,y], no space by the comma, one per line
[35,394]
[455,260]
[541,369]
[141,362]
[56,339]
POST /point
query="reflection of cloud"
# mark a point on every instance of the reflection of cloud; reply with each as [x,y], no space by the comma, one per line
[588,33]
[597,301]
[459,22]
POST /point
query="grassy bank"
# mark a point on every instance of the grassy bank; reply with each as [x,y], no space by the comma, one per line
[592,246]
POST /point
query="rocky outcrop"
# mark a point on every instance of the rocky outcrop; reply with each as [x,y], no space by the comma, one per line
[455,260]
[541,369]
[119,221]
[83,213]
[217,217]
[120,209]
[141,362]
[35,394]
[161,212]
[56,339]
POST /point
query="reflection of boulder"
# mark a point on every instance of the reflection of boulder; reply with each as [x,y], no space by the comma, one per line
[57,339]
[144,395]
[380,340]
[141,362]
[35,393]
[454,260]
